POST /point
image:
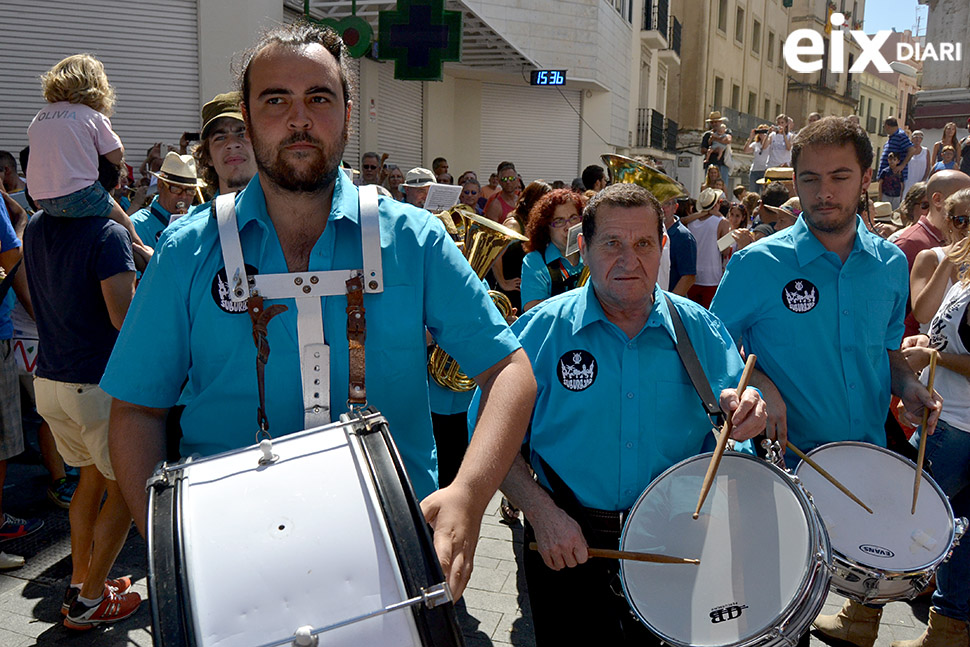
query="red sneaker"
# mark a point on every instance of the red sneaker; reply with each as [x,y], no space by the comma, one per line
[119,585]
[113,607]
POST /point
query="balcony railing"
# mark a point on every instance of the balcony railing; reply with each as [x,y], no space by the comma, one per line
[674,39]
[741,123]
[656,15]
[655,131]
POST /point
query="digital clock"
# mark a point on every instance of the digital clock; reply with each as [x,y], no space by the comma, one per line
[548,77]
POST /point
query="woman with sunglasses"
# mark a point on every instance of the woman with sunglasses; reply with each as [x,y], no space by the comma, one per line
[934,272]
[471,190]
[948,448]
[545,270]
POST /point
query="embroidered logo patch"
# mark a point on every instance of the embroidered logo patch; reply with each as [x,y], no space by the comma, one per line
[800,296]
[220,291]
[577,370]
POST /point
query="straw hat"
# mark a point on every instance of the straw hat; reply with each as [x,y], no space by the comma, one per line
[179,169]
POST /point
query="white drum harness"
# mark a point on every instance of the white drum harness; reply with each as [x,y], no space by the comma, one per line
[307,288]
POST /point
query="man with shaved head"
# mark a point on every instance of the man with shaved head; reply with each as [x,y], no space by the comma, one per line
[927,232]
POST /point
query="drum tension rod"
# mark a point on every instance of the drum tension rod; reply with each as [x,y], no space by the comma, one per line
[431,597]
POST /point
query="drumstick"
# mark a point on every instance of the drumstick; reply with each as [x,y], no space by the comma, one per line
[722,440]
[831,479]
[632,556]
[922,434]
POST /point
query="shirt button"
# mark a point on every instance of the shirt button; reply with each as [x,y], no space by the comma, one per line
[629,491]
[629,395]
[631,345]
[629,445]
[852,386]
[845,312]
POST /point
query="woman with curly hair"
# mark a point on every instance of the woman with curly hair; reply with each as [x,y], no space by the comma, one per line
[67,136]
[546,271]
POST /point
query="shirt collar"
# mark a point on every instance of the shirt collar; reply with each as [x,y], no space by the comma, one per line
[551,253]
[589,311]
[251,202]
[808,247]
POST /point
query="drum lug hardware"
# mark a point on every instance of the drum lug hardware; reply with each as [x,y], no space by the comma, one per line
[268,457]
[437,595]
[304,637]
[959,529]
[157,481]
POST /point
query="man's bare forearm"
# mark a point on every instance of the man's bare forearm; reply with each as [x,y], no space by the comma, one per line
[136,440]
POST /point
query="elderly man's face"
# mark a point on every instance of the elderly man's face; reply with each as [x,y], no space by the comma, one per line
[623,257]
[416,195]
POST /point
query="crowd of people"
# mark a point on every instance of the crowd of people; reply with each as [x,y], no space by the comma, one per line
[138,292]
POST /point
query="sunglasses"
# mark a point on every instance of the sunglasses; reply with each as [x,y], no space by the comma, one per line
[559,223]
[960,222]
[467,192]
[508,178]
[176,189]
[369,167]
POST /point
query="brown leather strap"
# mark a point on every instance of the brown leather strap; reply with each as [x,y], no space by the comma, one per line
[260,318]
[356,334]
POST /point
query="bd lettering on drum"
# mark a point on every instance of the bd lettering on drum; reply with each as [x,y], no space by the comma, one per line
[727,612]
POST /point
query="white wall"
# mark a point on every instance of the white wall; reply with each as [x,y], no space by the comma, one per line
[228,27]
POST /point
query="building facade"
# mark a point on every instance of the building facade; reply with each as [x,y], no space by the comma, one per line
[945,84]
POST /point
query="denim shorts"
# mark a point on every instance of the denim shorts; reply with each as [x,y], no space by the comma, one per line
[91,201]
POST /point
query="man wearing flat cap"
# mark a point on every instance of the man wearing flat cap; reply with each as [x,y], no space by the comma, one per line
[224,160]
[177,186]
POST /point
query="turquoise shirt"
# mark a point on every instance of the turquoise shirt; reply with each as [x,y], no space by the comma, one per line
[536,282]
[820,328]
[613,413]
[150,222]
[183,329]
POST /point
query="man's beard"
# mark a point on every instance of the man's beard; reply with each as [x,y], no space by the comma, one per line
[313,178]
[846,219]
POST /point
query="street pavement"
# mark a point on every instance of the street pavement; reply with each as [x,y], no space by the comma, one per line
[494,610]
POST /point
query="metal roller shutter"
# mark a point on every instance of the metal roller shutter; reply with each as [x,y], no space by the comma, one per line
[400,119]
[534,128]
[149,49]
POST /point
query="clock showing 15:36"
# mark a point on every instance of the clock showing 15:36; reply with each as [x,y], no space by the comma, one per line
[548,77]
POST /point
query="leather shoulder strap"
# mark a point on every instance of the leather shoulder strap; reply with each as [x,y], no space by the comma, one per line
[688,357]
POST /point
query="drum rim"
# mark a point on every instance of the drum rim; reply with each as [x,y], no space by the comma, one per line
[817,561]
[892,574]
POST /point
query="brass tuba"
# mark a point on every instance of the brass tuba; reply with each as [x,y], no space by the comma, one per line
[624,170]
[481,243]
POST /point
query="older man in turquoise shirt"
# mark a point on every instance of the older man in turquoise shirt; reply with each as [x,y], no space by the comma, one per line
[185,341]
[615,408]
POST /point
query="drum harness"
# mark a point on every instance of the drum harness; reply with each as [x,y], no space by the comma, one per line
[307,288]
[609,522]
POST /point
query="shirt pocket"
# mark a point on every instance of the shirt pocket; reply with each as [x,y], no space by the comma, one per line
[873,330]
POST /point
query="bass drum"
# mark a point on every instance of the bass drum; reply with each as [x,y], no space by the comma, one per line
[764,555]
[319,535]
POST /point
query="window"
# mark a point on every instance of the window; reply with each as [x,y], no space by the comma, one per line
[756,37]
[718,92]
[767,112]
[752,103]
[777,109]
[722,9]
[739,25]
[770,50]
[781,53]
[736,97]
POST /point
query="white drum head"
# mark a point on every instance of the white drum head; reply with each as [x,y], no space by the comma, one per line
[299,542]
[891,539]
[754,540]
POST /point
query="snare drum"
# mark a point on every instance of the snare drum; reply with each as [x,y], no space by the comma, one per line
[763,574]
[319,534]
[890,554]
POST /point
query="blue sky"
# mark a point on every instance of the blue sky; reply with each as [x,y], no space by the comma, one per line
[893,14]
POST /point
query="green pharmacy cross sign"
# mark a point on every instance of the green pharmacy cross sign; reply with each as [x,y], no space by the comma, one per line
[419,36]
[354,30]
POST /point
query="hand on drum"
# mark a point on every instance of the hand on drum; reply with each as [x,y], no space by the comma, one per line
[456,528]
[560,539]
[748,416]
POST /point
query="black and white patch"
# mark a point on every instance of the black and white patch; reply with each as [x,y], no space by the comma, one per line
[800,296]
[577,370]
[220,291]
